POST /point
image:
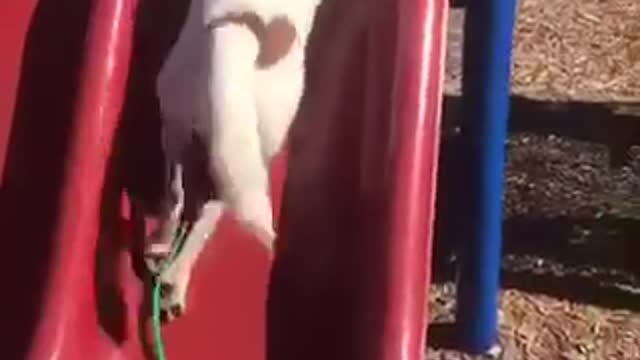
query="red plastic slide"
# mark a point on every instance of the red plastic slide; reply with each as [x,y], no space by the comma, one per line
[79,136]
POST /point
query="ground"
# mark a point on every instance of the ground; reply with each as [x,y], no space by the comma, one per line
[570,282]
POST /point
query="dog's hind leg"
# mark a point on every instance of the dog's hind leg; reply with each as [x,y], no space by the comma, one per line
[236,155]
[279,92]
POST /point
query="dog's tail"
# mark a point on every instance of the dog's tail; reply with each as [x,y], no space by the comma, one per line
[236,158]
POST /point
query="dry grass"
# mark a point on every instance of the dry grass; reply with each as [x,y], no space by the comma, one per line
[541,327]
[578,49]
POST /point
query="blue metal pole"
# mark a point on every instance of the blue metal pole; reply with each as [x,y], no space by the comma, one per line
[485,100]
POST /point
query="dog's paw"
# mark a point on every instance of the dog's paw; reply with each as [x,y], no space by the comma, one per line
[266,236]
[254,212]
[174,283]
[172,304]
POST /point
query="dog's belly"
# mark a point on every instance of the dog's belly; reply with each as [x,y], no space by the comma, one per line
[299,11]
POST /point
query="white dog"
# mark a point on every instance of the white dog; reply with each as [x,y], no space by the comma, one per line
[233,82]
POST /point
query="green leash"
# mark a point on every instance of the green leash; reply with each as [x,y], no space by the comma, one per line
[156,297]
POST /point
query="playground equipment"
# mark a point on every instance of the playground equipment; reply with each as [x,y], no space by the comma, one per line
[78,123]
[485,101]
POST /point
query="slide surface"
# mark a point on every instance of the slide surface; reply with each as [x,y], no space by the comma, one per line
[354,191]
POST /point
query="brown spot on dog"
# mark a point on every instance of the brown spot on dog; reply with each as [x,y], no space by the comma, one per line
[275,38]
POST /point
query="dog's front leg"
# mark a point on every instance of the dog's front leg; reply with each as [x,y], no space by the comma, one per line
[174,281]
[160,244]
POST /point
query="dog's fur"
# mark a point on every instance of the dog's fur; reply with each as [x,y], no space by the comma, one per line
[233,81]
